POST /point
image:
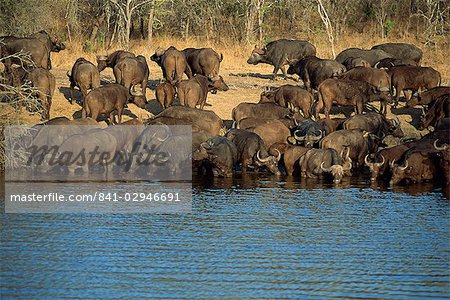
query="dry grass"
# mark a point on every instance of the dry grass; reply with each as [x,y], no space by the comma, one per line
[245,81]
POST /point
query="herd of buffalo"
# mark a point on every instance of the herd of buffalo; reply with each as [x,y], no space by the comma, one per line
[283,133]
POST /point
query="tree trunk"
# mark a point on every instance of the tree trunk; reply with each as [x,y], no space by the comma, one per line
[97,24]
[151,13]
[250,20]
[260,8]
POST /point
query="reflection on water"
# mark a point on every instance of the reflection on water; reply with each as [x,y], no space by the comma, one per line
[246,237]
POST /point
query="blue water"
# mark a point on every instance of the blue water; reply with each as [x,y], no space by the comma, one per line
[245,238]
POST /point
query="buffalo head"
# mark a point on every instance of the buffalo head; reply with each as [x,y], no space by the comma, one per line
[271,162]
[395,129]
[217,83]
[138,96]
[156,57]
[337,171]
[399,172]
[102,62]
[257,56]
[374,167]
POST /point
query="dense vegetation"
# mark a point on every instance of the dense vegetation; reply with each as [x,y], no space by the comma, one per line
[101,23]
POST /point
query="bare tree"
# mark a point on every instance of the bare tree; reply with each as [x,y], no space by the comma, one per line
[125,9]
[434,14]
[326,21]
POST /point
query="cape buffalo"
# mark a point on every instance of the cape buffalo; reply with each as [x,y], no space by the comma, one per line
[205,120]
[313,70]
[291,157]
[429,96]
[358,141]
[403,51]
[341,92]
[108,98]
[131,72]
[280,53]
[317,162]
[111,60]
[165,94]
[413,78]
[203,61]
[251,151]
[45,83]
[173,64]
[194,91]
[372,56]
[438,110]
[292,97]
[85,76]
[417,166]
[218,154]
[375,123]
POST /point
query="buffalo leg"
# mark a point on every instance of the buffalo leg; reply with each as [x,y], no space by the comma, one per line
[119,115]
[359,107]
[71,93]
[275,71]
[283,69]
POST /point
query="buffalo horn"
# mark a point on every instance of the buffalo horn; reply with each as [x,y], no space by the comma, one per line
[392,164]
[279,154]
[382,162]
[298,138]
[167,129]
[367,161]
[405,166]
[441,148]
[261,159]
[162,160]
[324,169]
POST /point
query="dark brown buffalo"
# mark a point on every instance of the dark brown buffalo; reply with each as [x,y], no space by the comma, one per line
[280,53]
[106,99]
[38,45]
[403,51]
[292,97]
[318,162]
[45,83]
[194,91]
[85,76]
[252,152]
[438,110]
[429,96]
[273,132]
[353,62]
[173,64]
[375,77]
[203,61]
[51,41]
[205,120]
[375,123]
[259,110]
[313,70]
[418,166]
[111,60]
[306,133]
[358,141]
[37,50]
[372,56]
[413,78]
[331,125]
[132,73]
[380,166]
[344,93]
[165,94]
[387,63]
[218,154]
[291,157]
